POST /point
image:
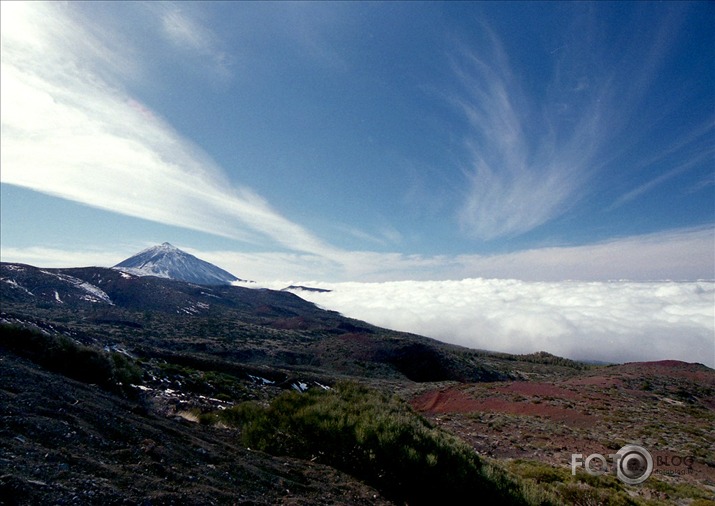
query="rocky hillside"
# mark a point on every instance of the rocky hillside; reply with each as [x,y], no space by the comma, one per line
[119,388]
[236,326]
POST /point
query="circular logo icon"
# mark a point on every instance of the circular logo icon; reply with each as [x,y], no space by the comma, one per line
[635,464]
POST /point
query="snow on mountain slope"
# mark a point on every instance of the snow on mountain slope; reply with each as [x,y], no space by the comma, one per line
[47,285]
[167,261]
[94,293]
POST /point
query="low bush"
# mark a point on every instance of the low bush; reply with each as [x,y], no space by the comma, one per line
[109,370]
[376,438]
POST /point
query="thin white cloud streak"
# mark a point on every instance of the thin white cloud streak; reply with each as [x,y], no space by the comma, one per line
[613,322]
[44,256]
[191,36]
[684,255]
[184,32]
[68,132]
[680,255]
[383,236]
[705,154]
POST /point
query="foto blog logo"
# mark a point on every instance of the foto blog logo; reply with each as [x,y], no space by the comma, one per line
[633,464]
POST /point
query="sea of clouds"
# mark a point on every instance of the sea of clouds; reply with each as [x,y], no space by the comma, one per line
[618,321]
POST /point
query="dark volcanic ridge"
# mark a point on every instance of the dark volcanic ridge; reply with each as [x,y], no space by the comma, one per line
[229,323]
[301,288]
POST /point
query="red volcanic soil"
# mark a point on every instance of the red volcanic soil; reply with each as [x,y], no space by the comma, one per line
[580,394]
[455,400]
[538,389]
[602,381]
[663,363]
[451,400]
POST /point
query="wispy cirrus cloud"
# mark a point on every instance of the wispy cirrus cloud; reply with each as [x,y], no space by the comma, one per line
[522,169]
[190,35]
[695,148]
[47,256]
[71,130]
[532,154]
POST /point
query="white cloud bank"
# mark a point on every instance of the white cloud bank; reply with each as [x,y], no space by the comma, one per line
[614,321]
[607,321]
[596,320]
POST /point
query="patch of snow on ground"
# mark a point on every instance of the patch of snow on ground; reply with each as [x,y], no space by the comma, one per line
[300,386]
[142,272]
[15,284]
[96,292]
[259,379]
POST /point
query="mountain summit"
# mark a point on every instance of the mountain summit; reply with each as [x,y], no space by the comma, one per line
[167,261]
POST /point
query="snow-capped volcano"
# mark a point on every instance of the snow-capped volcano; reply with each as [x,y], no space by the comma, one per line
[167,261]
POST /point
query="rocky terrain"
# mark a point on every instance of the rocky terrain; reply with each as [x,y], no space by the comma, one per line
[112,384]
[667,407]
[66,442]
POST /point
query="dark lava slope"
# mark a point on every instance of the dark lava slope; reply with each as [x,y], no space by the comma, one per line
[66,442]
[232,326]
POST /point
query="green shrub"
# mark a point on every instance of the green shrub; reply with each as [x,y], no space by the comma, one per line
[542,357]
[111,371]
[558,485]
[678,490]
[125,371]
[539,472]
[580,493]
[376,438]
[216,384]
[702,502]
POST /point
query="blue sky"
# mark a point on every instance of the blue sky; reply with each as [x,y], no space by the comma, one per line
[345,141]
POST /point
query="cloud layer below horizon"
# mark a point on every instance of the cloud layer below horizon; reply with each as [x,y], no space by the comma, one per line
[603,321]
